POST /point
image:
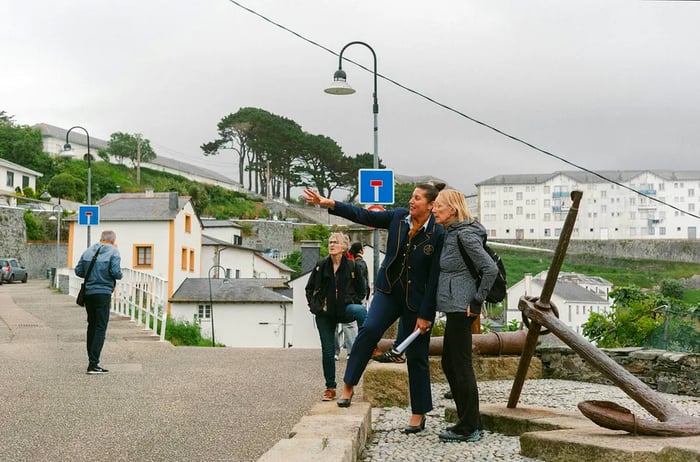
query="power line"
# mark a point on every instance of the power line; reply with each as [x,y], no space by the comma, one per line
[462,114]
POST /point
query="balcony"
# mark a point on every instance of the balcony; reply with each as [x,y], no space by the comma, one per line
[560,194]
[648,192]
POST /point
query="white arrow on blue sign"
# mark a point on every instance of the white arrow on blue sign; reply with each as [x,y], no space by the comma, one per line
[89,215]
[376,186]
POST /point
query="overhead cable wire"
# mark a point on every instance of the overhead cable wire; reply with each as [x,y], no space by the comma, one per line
[462,114]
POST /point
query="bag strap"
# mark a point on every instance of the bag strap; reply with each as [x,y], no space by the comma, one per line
[467,260]
[92,263]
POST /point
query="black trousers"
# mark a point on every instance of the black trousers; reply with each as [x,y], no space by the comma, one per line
[458,368]
[97,308]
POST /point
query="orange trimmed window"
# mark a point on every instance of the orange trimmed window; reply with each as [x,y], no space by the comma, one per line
[143,255]
[188,223]
[183,259]
[191,261]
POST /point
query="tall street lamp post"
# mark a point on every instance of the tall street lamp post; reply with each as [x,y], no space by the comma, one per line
[67,152]
[340,87]
[211,298]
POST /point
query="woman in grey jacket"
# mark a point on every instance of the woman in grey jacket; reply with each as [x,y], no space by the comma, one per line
[460,299]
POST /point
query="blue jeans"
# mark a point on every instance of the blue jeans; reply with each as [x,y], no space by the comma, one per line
[97,308]
[383,311]
[326,326]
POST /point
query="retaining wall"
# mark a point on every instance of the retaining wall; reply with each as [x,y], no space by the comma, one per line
[664,371]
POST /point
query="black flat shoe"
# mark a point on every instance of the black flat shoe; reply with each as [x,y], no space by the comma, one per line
[345,402]
[409,429]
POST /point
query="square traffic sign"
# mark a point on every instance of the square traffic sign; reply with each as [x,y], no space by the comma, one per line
[89,215]
[376,186]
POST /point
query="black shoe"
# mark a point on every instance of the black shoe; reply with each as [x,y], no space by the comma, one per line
[96,370]
[415,428]
[447,395]
[390,356]
[449,436]
[345,402]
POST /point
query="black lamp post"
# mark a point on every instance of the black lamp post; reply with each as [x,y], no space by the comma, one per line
[340,87]
[211,298]
[67,152]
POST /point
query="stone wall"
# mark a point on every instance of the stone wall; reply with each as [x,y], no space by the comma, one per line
[664,371]
[13,233]
[657,249]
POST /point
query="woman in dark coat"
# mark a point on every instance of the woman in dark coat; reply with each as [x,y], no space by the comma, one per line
[334,292]
[404,288]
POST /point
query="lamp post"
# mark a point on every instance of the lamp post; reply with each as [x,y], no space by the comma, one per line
[67,152]
[59,211]
[211,298]
[340,87]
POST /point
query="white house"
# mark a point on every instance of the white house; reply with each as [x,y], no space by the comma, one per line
[244,313]
[14,176]
[534,206]
[157,233]
[571,296]
[239,261]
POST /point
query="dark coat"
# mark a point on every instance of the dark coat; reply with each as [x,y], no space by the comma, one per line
[421,257]
[333,291]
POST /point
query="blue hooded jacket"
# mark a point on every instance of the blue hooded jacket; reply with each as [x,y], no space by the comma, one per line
[106,271]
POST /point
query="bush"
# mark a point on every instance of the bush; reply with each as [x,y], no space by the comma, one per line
[183,333]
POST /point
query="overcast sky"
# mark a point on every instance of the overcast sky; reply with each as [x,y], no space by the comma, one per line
[604,84]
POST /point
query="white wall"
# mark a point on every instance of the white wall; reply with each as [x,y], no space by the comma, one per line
[252,325]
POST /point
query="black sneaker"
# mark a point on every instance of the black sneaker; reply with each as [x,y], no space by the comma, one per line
[390,356]
[96,370]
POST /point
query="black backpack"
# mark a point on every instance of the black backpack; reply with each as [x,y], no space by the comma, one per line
[498,290]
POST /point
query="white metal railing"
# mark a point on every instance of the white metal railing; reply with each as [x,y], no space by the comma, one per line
[142,297]
[138,295]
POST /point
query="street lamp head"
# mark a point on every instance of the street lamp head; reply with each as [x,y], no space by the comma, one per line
[340,85]
[67,151]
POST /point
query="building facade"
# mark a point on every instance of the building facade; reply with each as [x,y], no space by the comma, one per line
[534,206]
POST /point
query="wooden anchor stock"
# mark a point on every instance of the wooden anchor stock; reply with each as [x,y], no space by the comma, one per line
[540,312]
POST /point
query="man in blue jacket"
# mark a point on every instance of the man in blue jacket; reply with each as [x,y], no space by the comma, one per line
[99,285]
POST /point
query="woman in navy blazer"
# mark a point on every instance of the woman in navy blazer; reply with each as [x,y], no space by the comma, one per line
[405,287]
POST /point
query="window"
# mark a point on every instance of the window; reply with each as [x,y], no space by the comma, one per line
[143,256]
[662,230]
[11,179]
[188,223]
[519,196]
[547,232]
[547,217]
[183,259]
[518,210]
[191,261]
[204,312]
[25,181]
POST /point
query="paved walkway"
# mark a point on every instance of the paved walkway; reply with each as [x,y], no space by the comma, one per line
[158,402]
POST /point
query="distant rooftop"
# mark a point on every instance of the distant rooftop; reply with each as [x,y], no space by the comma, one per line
[585,177]
[231,291]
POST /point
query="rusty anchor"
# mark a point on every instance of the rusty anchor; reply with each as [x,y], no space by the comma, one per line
[540,312]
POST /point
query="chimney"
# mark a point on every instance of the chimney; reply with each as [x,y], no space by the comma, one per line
[173,203]
[528,283]
[310,254]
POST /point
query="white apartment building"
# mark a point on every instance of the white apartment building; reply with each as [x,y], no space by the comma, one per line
[534,206]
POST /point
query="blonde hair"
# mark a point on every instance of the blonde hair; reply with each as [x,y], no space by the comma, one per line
[342,238]
[455,199]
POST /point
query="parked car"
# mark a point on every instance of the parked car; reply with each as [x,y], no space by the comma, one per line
[11,270]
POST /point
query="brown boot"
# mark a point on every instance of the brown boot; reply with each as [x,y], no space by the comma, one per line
[329,394]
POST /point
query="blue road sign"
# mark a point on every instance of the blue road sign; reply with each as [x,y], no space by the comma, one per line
[376,186]
[89,215]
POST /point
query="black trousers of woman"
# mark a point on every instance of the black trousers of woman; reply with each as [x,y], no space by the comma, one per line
[458,368]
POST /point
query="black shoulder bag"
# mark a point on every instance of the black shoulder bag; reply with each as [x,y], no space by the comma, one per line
[80,299]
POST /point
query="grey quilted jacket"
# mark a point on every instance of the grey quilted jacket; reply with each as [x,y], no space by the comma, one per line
[456,286]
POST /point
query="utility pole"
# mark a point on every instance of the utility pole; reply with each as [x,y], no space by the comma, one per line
[138,159]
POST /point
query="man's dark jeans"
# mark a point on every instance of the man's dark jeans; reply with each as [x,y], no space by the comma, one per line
[97,307]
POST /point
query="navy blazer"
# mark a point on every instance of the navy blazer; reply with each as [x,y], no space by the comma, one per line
[423,259]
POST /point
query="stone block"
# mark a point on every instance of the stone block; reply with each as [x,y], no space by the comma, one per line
[332,422]
[311,450]
[387,384]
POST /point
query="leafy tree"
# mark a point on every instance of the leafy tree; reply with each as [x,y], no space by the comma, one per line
[672,288]
[35,229]
[126,146]
[20,144]
[322,165]
[67,186]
